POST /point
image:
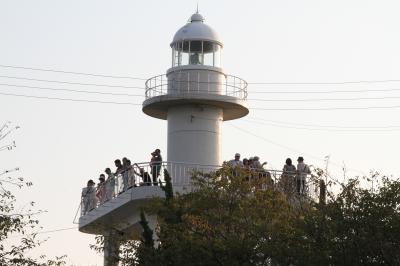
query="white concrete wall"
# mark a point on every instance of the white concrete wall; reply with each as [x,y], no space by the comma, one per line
[194,134]
[196,79]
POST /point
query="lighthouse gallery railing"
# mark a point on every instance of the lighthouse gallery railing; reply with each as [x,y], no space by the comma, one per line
[230,86]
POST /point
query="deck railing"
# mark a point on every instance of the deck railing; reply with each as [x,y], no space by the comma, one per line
[148,174]
[189,83]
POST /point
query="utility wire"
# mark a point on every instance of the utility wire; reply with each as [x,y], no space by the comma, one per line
[326,83]
[142,95]
[73,83]
[253,83]
[325,99]
[72,72]
[323,129]
[288,148]
[327,109]
[45,232]
[68,99]
[72,90]
[311,92]
[57,230]
[322,126]
[250,92]
[254,108]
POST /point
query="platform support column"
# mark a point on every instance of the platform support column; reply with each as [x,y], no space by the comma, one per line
[111,249]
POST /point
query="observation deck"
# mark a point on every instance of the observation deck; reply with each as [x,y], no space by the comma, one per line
[121,212]
[196,86]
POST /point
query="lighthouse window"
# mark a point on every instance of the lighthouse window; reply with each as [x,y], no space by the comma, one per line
[208,50]
[185,52]
[177,54]
[196,53]
[217,55]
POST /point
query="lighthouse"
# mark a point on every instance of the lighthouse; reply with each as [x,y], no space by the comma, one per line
[195,96]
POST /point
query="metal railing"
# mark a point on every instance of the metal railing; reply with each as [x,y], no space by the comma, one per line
[150,174]
[189,83]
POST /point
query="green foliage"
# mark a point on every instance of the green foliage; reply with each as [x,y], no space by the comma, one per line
[16,237]
[228,220]
[13,251]
[167,188]
[147,235]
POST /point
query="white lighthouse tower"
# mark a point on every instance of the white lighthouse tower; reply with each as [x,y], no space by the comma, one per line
[195,96]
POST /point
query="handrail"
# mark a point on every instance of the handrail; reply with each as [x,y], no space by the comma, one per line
[152,174]
[161,85]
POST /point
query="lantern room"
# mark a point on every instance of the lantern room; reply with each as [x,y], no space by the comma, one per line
[196,43]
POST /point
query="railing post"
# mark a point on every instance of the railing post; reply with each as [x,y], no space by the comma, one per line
[226,86]
[208,83]
[162,84]
[188,82]
[198,82]
[322,192]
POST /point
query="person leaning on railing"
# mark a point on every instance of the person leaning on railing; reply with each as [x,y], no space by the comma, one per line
[155,163]
[143,174]
[287,180]
[110,184]
[88,197]
[302,171]
[125,173]
[101,189]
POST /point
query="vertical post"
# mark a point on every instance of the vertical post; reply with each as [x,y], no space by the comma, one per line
[198,82]
[161,86]
[322,192]
[111,249]
[188,82]
[208,82]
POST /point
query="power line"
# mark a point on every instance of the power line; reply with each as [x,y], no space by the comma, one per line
[326,99]
[323,126]
[326,109]
[252,83]
[57,230]
[68,99]
[326,83]
[288,148]
[45,232]
[135,95]
[73,83]
[325,129]
[72,90]
[311,92]
[254,108]
[72,72]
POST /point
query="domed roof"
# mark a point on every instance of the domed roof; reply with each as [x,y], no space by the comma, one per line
[196,29]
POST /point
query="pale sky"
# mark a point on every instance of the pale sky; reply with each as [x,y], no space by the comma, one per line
[62,144]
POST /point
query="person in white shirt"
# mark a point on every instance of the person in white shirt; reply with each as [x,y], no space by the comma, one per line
[302,171]
[236,162]
[89,200]
[110,184]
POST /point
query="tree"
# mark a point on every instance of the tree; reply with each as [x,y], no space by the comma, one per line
[22,223]
[228,220]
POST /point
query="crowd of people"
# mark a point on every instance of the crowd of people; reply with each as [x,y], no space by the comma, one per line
[292,177]
[132,175]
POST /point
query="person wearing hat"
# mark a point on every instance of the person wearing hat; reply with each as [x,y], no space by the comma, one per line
[88,197]
[236,162]
[302,171]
